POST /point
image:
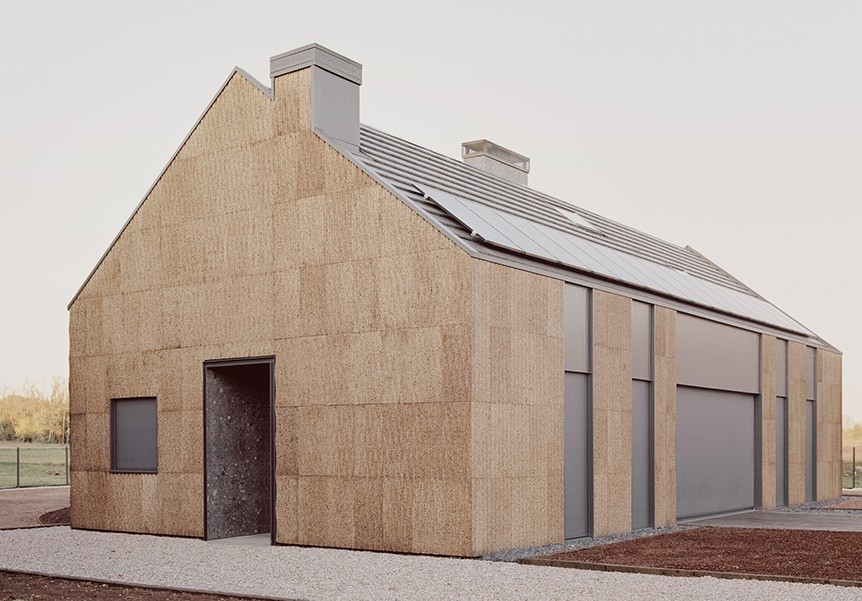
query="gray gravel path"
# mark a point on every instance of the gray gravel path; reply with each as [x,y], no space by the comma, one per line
[312,573]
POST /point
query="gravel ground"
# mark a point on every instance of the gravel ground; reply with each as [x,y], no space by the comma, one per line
[313,573]
[577,543]
[820,506]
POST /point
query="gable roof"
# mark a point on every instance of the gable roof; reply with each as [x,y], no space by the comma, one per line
[505,222]
[543,234]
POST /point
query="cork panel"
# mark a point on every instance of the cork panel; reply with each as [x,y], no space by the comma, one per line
[352,297]
[177,197]
[425,365]
[796,422]
[610,328]
[512,513]
[105,280]
[131,503]
[424,289]
[85,324]
[133,375]
[180,380]
[330,370]
[240,116]
[292,94]
[340,512]
[425,440]
[234,180]
[522,368]
[185,320]
[361,223]
[246,308]
[123,503]
[77,441]
[180,441]
[78,505]
[87,498]
[287,441]
[427,516]
[287,509]
[664,417]
[96,453]
[179,505]
[517,344]
[285,299]
[767,421]
[182,252]
[137,254]
[87,385]
[612,401]
[141,321]
[516,441]
[829,424]
[325,440]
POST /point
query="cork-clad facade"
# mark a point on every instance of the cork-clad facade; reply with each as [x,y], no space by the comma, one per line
[315,330]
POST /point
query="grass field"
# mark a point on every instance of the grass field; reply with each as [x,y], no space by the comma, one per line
[41,465]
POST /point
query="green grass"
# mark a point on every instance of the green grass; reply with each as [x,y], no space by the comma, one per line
[40,466]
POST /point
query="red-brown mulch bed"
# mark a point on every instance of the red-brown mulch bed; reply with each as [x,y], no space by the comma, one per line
[15,585]
[58,517]
[805,554]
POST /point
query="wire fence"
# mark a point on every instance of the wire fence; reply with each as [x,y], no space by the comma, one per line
[851,464]
[34,466]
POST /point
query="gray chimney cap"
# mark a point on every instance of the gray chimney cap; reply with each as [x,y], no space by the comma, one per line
[315,55]
[479,148]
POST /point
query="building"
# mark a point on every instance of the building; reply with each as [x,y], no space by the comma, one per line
[315,329]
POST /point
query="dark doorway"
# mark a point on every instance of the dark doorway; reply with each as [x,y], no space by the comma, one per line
[238,450]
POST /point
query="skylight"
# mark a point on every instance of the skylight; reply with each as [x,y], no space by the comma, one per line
[578,220]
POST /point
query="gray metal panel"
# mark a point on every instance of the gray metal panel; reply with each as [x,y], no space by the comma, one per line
[713,355]
[576,323]
[641,341]
[134,435]
[642,455]
[577,436]
[781,367]
[781,480]
[810,374]
[810,451]
[335,106]
[714,451]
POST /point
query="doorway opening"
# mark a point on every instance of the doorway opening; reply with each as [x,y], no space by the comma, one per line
[238,448]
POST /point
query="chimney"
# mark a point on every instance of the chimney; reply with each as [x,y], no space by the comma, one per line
[496,160]
[335,82]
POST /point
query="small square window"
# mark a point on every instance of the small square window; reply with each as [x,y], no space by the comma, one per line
[134,435]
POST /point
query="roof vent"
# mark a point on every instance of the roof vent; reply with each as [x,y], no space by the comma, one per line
[496,160]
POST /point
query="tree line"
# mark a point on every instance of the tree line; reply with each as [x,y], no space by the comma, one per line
[32,414]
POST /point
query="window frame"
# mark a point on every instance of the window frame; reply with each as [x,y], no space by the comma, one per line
[114,469]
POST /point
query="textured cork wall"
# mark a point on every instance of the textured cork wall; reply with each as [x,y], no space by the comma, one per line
[418,391]
[260,239]
[612,413]
[517,411]
[766,412]
[829,396]
[664,417]
[795,423]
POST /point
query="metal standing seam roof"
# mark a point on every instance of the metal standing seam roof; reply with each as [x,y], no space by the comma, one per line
[491,215]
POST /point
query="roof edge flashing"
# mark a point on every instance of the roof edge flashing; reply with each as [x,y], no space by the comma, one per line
[315,55]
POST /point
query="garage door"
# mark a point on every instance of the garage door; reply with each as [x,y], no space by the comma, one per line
[714,451]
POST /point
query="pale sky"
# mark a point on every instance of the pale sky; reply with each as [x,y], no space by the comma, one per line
[733,126]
